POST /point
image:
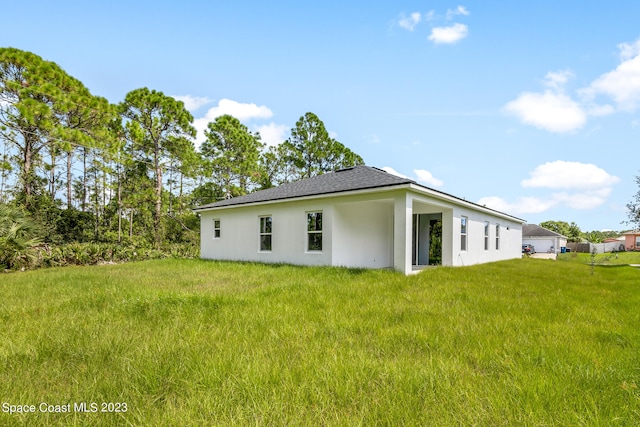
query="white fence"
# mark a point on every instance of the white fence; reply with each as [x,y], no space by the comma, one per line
[599,247]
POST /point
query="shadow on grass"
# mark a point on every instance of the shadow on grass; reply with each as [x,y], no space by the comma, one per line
[354,271]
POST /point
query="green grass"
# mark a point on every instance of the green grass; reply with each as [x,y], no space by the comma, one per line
[190,342]
[607,259]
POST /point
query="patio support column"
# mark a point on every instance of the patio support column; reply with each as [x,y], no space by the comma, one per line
[402,224]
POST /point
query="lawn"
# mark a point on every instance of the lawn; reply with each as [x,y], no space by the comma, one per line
[190,342]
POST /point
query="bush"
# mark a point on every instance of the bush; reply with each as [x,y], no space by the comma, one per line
[97,253]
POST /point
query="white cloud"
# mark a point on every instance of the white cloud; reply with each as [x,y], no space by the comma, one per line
[621,84]
[555,112]
[586,187]
[629,50]
[460,10]
[192,103]
[557,79]
[422,176]
[583,200]
[524,205]
[449,35]
[236,109]
[239,110]
[409,23]
[425,177]
[392,171]
[570,175]
[273,134]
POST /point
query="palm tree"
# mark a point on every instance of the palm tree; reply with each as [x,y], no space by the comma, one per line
[18,233]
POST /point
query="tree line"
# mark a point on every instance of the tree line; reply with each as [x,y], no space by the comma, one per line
[573,233]
[81,169]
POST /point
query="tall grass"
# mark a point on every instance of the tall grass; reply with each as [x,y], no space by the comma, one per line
[190,342]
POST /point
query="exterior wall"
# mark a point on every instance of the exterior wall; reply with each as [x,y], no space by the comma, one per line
[240,230]
[544,244]
[370,230]
[510,238]
[631,241]
[357,232]
[402,220]
[363,234]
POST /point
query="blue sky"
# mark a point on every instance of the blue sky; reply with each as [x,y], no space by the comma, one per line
[528,107]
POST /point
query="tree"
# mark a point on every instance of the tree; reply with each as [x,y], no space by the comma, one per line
[159,129]
[314,152]
[41,108]
[232,152]
[633,208]
[277,166]
[571,231]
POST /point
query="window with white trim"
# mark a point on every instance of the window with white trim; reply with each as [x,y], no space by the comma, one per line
[266,226]
[497,237]
[486,235]
[216,228]
[463,233]
[314,231]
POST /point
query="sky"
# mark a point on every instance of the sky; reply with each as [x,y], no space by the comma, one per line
[530,108]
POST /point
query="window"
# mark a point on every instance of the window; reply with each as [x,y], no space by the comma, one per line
[216,228]
[486,235]
[265,233]
[463,233]
[314,231]
[497,237]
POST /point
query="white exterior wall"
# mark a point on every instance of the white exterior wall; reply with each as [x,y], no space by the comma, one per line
[363,234]
[544,244]
[240,233]
[368,229]
[357,232]
[510,238]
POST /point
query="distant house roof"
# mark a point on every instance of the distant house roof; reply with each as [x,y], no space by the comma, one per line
[533,230]
[613,239]
[343,180]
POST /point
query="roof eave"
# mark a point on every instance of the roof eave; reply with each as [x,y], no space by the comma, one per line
[405,185]
[460,201]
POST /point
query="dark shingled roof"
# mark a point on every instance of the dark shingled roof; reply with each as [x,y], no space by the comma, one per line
[349,179]
[343,180]
[533,230]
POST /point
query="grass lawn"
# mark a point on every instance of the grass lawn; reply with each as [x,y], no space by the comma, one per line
[607,259]
[189,342]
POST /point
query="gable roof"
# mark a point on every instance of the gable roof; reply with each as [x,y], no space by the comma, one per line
[343,180]
[349,179]
[533,230]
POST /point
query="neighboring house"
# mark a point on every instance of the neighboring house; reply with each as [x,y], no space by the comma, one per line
[357,217]
[632,240]
[543,239]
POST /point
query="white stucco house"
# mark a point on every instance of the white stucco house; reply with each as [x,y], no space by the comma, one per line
[357,217]
[543,239]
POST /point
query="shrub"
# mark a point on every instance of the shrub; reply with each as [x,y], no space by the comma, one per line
[18,234]
[96,253]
